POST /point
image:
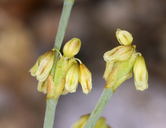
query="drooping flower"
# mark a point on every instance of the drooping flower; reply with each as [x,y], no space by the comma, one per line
[124,37]
[122,61]
[43,66]
[85,79]
[72,77]
[120,53]
[68,72]
[140,74]
[72,47]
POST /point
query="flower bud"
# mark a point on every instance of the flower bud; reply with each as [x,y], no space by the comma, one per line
[124,37]
[72,77]
[43,66]
[120,53]
[72,47]
[140,73]
[85,79]
[83,119]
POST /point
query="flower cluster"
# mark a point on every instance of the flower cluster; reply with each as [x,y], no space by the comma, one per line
[83,119]
[69,71]
[122,61]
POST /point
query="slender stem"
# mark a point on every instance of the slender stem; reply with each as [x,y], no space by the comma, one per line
[63,22]
[51,103]
[67,6]
[96,113]
[50,112]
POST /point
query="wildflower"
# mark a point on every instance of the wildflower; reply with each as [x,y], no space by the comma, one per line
[75,72]
[120,53]
[72,47]
[122,61]
[140,74]
[72,77]
[85,79]
[69,71]
[124,37]
[43,66]
[83,119]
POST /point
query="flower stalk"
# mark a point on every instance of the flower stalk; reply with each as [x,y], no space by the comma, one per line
[60,74]
[51,103]
[121,62]
[100,106]
[66,11]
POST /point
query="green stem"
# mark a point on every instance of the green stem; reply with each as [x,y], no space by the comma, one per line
[52,102]
[50,112]
[100,106]
[67,6]
[63,22]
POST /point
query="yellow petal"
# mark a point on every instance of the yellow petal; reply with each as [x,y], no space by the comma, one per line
[72,77]
[45,65]
[34,68]
[120,53]
[85,79]
[72,47]
[140,74]
[124,37]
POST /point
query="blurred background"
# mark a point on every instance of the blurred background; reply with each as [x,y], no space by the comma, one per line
[28,29]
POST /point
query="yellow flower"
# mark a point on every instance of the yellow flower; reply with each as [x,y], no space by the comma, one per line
[85,79]
[124,37]
[72,47]
[140,74]
[72,77]
[43,66]
[122,61]
[120,53]
[83,119]
[67,73]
